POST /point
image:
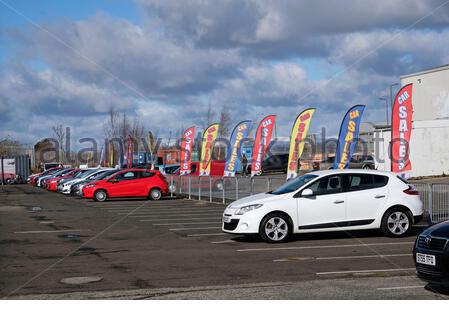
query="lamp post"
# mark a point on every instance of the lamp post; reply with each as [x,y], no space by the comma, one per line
[391,96]
[386,106]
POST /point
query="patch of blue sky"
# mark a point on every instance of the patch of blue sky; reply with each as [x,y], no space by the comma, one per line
[18,13]
[316,68]
[22,13]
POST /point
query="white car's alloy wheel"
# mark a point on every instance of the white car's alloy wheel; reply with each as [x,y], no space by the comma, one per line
[398,223]
[276,229]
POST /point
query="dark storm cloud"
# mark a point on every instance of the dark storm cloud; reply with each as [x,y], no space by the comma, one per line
[280,28]
[246,56]
[115,52]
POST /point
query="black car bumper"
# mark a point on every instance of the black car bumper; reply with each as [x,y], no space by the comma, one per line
[438,274]
[432,275]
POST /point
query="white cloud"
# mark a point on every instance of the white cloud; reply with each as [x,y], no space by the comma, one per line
[236,54]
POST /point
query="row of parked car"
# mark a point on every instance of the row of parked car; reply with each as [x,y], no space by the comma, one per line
[322,201]
[103,183]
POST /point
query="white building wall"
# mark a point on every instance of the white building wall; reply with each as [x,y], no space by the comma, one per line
[430,93]
[429,148]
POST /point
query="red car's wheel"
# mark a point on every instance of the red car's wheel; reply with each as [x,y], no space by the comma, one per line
[100,195]
[155,194]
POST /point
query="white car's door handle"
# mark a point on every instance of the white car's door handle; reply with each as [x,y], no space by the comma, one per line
[379,196]
[338,201]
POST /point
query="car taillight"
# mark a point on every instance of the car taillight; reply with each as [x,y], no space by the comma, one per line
[411,191]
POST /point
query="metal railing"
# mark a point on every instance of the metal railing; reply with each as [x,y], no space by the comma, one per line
[435,196]
[222,189]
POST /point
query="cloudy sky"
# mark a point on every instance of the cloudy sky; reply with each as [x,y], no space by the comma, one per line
[164,61]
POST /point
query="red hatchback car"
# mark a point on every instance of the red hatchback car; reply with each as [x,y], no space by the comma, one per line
[128,183]
[52,184]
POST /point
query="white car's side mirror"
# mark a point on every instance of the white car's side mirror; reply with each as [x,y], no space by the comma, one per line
[307,193]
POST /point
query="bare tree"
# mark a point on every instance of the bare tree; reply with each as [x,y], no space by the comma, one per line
[44,151]
[137,132]
[59,133]
[225,122]
[224,129]
[119,128]
[9,146]
[209,116]
[111,128]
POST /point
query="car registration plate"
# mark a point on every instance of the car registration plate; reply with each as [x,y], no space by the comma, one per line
[226,219]
[425,259]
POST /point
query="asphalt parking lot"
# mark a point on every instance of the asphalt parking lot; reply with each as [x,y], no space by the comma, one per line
[53,246]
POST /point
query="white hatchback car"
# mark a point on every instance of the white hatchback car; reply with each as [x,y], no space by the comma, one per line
[331,200]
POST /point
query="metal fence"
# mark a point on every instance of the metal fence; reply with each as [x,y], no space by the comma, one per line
[435,196]
[222,189]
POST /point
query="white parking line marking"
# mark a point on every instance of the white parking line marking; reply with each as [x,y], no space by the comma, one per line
[48,231]
[368,256]
[224,241]
[171,215]
[199,216]
[199,228]
[401,288]
[363,271]
[164,209]
[179,219]
[182,223]
[325,247]
[206,234]
[343,257]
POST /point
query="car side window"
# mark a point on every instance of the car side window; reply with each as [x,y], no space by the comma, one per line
[126,176]
[380,181]
[360,182]
[357,182]
[327,185]
[145,174]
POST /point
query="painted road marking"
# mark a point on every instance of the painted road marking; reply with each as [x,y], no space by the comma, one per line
[49,231]
[401,288]
[224,241]
[207,234]
[343,257]
[183,223]
[141,211]
[325,247]
[199,216]
[178,219]
[171,215]
[363,271]
[199,228]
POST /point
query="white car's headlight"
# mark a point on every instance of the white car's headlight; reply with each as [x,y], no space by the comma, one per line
[251,207]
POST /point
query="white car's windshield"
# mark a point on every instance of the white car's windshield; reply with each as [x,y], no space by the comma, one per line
[294,184]
[86,173]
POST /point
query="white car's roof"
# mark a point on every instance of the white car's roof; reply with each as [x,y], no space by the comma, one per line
[334,171]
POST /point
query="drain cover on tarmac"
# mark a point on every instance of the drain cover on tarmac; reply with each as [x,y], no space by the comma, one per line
[81,280]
